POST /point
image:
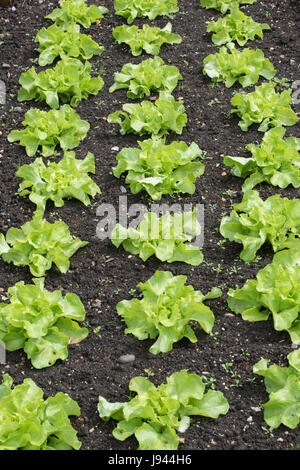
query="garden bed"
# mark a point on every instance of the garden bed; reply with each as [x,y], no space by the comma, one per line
[102,275]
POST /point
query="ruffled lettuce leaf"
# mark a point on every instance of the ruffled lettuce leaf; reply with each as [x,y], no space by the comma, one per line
[154,414]
[223,5]
[77,11]
[144,8]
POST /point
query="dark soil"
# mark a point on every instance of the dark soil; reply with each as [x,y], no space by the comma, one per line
[103,275]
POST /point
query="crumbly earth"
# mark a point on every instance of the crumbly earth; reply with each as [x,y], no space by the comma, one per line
[102,275]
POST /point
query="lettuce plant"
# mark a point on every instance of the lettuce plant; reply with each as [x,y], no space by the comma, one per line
[283,386]
[149,38]
[158,118]
[223,5]
[166,310]
[28,422]
[38,244]
[144,8]
[45,130]
[69,42]
[77,11]
[230,65]
[275,292]
[159,168]
[69,81]
[154,414]
[167,237]
[236,26]
[151,75]
[264,106]
[254,222]
[276,161]
[58,181]
[41,322]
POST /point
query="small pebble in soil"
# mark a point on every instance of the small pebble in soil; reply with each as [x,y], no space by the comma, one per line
[126,358]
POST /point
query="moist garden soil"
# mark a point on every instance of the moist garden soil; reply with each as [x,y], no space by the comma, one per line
[102,275]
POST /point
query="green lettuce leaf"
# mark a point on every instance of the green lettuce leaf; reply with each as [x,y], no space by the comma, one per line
[77,11]
[154,414]
[58,181]
[41,322]
[158,118]
[144,8]
[253,222]
[159,168]
[28,422]
[230,65]
[283,387]
[223,5]
[149,38]
[143,78]
[168,237]
[276,161]
[166,310]
[264,106]
[45,130]
[56,42]
[38,244]
[236,26]
[70,81]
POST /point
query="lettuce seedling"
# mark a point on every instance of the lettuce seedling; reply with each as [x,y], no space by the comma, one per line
[283,386]
[275,292]
[158,118]
[223,5]
[151,75]
[154,414]
[264,106]
[254,222]
[58,181]
[41,322]
[38,244]
[160,169]
[236,26]
[70,81]
[45,130]
[77,11]
[166,310]
[230,65]
[56,42]
[167,237]
[149,38]
[144,8]
[276,161]
[28,422]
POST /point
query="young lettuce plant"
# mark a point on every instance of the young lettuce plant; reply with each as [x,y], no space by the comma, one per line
[56,42]
[264,106]
[45,130]
[149,38]
[160,169]
[223,5]
[168,237]
[283,386]
[144,8]
[77,11]
[151,75]
[58,181]
[38,244]
[158,118]
[154,414]
[276,161]
[254,222]
[230,65]
[236,26]
[69,81]
[41,322]
[28,422]
[166,310]
[275,292]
